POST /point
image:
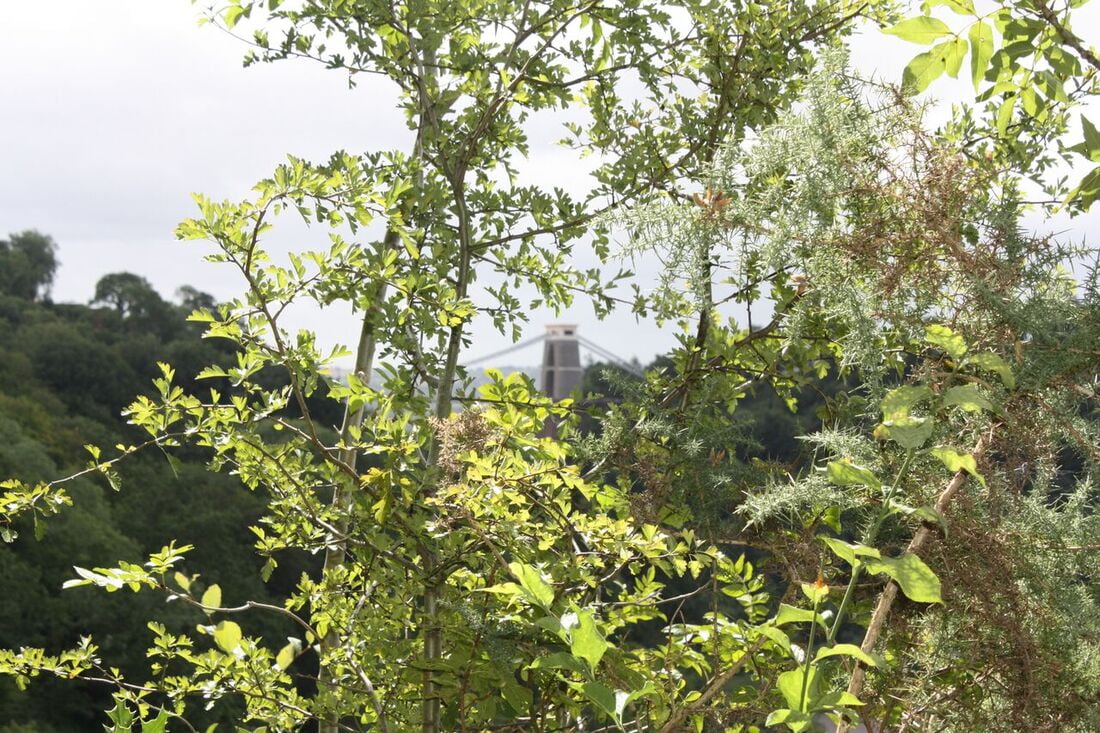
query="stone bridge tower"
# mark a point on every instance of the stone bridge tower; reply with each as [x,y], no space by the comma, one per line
[561,361]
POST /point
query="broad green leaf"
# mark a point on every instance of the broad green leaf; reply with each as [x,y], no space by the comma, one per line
[916,580]
[777,635]
[793,719]
[899,402]
[516,695]
[991,362]
[846,473]
[1092,140]
[212,598]
[981,51]
[815,592]
[504,589]
[954,52]
[623,698]
[227,635]
[1030,101]
[534,587]
[157,724]
[924,69]
[962,7]
[790,686]
[845,650]
[958,462]
[967,397]
[286,656]
[788,614]
[849,551]
[587,641]
[910,432]
[946,339]
[923,513]
[1004,114]
[602,695]
[1087,191]
[838,699]
[922,29]
[232,15]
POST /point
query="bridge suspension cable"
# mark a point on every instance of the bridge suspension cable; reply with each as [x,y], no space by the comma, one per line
[504,352]
[616,360]
[592,346]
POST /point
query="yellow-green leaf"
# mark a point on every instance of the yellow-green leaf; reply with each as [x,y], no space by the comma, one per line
[286,655]
[922,29]
[954,52]
[916,580]
[991,362]
[946,339]
[968,398]
[212,598]
[846,650]
[981,50]
[846,473]
[227,635]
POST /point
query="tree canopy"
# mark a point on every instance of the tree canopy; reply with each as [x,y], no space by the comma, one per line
[28,262]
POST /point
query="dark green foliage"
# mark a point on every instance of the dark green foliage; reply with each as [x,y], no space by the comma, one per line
[28,261]
[66,374]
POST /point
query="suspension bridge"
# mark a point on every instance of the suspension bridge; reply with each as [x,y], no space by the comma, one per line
[561,358]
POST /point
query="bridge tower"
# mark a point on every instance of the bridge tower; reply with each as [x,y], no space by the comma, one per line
[561,361]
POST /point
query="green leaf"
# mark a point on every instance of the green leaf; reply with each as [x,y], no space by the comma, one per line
[921,29]
[954,52]
[790,686]
[788,614]
[981,51]
[623,698]
[845,650]
[910,432]
[233,15]
[923,513]
[899,402]
[959,462]
[946,339]
[968,398]
[212,598]
[846,473]
[1091,145]
[776,635]
[991,362]
[962,7]
[815,592]
[602,696]
[924,69]
[1004,114]
[834,700]
[1087,191]
[286,655]
[157,724]
[587,642]
[793,719]
[849,551]
[227,635]
[916,580]
[534,587]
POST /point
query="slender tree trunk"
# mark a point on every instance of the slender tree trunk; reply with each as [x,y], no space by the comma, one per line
[336,552]
[433,635]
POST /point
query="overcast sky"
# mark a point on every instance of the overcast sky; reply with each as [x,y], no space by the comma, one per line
[114,111]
